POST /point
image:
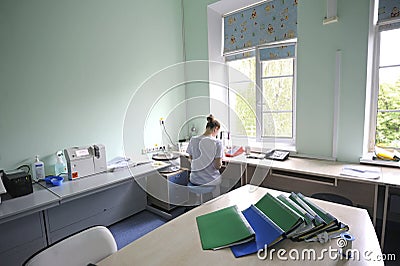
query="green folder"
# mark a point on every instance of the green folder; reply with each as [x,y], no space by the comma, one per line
[309,227]
[287,219]
[327,217]
[294,206]
[223,228]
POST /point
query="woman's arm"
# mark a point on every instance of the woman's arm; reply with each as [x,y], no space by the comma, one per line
[218,163]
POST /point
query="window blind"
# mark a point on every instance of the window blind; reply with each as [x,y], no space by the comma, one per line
[389,14]
[278,52]
[268,22]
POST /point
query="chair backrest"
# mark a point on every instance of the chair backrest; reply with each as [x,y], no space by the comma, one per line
[333,198]
[88,246]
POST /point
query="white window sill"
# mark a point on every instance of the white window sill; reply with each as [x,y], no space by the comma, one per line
[368,159]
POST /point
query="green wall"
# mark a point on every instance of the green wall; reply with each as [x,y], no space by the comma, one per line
[68,69]
[196,48]
[317,46]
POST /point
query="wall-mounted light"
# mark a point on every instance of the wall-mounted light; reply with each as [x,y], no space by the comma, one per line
[331,12]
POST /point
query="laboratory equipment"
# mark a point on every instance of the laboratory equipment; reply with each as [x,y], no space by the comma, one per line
[85,161]
[17,182]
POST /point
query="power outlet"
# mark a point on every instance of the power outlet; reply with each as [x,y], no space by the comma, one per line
[156,148]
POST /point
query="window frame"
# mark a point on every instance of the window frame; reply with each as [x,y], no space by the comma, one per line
[375,86]
[286,141]
[259,81]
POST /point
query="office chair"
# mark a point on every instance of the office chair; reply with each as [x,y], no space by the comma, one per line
[201,190]
[83,248]
[333,198]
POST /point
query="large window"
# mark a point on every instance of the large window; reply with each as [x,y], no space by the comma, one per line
[277,78]
[387,132]
[383,126]
[263,104]
[242,96]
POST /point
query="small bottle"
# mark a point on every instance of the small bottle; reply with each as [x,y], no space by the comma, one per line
[38,169]
[60,167]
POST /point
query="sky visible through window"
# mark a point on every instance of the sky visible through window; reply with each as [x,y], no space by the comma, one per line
[389,56]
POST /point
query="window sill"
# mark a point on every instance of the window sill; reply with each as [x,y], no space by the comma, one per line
[368,159]
[261,146]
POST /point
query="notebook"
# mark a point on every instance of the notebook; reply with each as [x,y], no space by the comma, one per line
[287,219]
[224,228]
[267,233]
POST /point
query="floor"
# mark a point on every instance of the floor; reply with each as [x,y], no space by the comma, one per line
[134,227]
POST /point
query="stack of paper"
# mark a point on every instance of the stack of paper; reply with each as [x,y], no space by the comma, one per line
[361,171]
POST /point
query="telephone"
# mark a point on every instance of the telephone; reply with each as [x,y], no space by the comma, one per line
[277,155]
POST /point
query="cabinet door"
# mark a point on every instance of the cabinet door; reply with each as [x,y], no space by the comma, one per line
[20,238]
[102,208]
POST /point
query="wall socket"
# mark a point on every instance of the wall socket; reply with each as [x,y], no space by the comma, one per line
[154,149]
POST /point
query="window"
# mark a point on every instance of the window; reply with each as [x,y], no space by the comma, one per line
[259,48]
[387,131]
[382,125]
[242,96]
[277,80]
[268,97]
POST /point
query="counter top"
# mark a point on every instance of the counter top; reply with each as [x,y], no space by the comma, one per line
[40,199]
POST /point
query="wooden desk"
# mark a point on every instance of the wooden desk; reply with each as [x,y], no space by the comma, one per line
[178,242]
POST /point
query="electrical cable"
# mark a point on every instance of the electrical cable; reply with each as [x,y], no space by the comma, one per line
[169,137]
[24,166]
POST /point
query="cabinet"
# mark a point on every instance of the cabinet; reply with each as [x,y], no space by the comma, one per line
[101,208]
[22,237]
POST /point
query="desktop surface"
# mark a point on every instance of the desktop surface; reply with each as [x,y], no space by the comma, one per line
[178,241]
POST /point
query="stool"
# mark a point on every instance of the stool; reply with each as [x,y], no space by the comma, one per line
[200,190]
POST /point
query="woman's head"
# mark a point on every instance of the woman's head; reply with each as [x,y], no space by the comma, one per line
[212,126]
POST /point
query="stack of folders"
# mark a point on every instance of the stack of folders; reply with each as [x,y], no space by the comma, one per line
[266,223]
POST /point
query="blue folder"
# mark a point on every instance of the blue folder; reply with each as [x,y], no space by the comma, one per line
[267,233]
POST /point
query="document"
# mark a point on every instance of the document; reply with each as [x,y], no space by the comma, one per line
[361,171]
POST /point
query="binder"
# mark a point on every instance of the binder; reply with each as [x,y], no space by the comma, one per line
[287,219]
[223,228]
[266,233]
[306,226]
[323,221]
[327,217]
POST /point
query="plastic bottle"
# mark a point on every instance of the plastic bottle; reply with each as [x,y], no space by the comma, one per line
[38,169]
[60,167]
